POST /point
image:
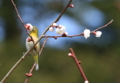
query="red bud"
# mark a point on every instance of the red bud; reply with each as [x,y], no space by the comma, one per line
[71,5]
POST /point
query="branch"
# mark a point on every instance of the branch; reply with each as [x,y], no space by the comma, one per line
[30,73]
[79,34]
[78,63]
[42,46]
[58,18]
[21,19]
[103,26]
[63,11]
[63,36]
[18,62]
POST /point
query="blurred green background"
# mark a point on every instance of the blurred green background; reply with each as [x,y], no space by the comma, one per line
[100,56]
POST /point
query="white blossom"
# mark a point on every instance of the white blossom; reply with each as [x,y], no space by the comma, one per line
[59,26]
[60,30]
[51,29]
[63,28]
[66,33]
[54,25]
[86,81]
[29,27]
[86,33]
[69,54]
[98,33]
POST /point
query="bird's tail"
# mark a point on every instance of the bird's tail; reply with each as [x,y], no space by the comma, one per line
[36,61]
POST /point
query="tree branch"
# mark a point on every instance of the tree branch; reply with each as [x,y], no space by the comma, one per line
[30,73]
[44,42]
[58,18]
[78,63]
[103,26]
[20,18]
[81,33]
[63,12]
[18,62]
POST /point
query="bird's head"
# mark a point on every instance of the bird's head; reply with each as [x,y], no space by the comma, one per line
[31,29]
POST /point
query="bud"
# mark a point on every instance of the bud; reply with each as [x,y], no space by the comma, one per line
[60,29]
[86,81]
[29,27]
[59,26]
[69,54]
[65,34]
[71,5]
[51,29]
[86,33]
[54,25]
[98,33]
[28,74]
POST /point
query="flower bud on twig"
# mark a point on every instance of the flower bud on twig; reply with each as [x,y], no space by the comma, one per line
[28,74]
[86,33]
[51,29]
[86,81]
[98,33]
[60,29]
[65,34]
[29,27]
[70,54]
[71,5]
[54,25]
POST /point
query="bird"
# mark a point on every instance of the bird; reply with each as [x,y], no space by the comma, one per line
[30,40]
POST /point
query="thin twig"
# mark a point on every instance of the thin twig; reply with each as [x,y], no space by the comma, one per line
[30,73]
[21,19]
[44,42]
[79,34]
[78,63]
[58,18]
[63,36]
[18,62]
[63,12]
[103,26]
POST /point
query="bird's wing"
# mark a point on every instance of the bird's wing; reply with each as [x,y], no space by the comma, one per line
[37,46]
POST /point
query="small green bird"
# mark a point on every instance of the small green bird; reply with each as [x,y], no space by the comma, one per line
[33,31]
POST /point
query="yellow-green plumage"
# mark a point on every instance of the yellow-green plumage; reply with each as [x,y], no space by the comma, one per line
[36,49]
[34,34]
